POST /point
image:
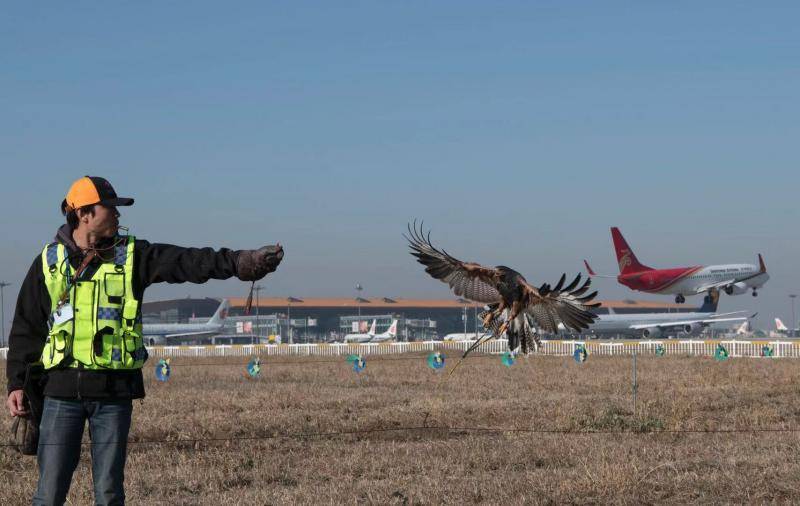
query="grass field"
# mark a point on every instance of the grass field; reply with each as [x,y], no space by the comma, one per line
[599,450]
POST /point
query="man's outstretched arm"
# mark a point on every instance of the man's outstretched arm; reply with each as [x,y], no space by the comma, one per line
[166,263]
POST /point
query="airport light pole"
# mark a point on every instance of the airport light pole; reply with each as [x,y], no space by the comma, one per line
[358,300]
[258,289]
[476,322]
[794,322]
[289,301]
[3,339]
[464,301]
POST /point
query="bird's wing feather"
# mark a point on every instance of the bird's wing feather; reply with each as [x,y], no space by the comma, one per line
[551,306]
[469,280]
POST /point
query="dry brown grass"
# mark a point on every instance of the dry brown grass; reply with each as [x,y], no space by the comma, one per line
[625,463]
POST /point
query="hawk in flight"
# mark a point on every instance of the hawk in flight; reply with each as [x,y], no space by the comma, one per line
[514,304]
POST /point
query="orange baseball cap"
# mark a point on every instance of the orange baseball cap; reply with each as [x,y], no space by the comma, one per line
[90,190]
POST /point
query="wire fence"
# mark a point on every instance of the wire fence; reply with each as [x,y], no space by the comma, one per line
[430,428]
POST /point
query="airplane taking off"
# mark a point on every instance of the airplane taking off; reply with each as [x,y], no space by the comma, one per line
[162,333]
[733,279]
[361,338]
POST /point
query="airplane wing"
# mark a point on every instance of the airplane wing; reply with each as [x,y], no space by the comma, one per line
[187,334]
[717,315]
[717,285]
[704,322]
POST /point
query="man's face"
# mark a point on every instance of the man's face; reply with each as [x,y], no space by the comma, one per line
[105,221]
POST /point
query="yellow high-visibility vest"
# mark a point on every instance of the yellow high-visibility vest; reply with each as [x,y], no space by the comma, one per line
[105,331]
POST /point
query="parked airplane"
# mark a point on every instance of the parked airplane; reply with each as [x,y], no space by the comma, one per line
[361,338]
[733,279]
[163,333]
[744,329]
[389,335]
[658,325]
[783,330]
[460,336]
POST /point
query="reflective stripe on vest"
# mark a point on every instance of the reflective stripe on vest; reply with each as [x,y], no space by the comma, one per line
[105,331]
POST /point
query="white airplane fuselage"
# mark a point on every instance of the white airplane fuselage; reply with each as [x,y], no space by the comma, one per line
[362,338]
[163,333]
[658,324]
[372,336]
[738,279]
[357,338]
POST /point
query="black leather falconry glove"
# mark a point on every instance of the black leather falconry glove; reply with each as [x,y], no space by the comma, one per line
[254,264]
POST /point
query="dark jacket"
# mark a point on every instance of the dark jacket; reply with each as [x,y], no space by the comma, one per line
[153,263]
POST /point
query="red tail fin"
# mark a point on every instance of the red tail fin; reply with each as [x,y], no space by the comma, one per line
[628,263]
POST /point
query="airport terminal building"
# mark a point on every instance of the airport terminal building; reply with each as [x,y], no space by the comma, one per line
[300,319]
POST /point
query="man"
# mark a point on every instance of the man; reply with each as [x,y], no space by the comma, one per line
[79,315]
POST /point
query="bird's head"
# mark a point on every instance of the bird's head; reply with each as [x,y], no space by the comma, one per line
[505,270]
[507,274]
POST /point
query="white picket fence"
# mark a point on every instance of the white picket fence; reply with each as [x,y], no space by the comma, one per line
[780,349]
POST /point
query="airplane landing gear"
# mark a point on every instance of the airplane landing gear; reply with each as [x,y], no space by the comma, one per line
[755,293]
[680,299]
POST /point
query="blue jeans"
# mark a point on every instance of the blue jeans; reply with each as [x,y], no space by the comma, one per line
[60,434]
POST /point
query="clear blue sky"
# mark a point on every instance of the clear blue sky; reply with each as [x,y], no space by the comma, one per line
[519,131]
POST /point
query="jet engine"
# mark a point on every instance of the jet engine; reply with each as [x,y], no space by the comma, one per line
[692,328]
[653,333]
[736,288]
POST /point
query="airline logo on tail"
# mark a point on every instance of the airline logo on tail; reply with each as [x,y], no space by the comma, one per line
[628,263]
[780,326]
[220,314]
[625,259]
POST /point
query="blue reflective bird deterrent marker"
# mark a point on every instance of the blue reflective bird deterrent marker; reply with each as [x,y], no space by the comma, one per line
[580,355]
[162,369]
[358,362]
[254,368]
[436,361]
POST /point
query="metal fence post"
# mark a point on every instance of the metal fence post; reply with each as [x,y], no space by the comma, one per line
[635,385]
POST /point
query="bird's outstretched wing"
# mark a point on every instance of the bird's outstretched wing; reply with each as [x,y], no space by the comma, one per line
[469,280]
[560,304]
